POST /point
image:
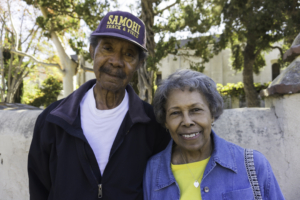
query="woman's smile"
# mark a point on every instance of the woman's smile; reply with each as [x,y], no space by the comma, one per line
[190,136]
[188,119]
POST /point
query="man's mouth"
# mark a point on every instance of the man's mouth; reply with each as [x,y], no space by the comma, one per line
[114,73]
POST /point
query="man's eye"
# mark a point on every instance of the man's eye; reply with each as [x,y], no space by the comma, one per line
[107,48]
[129,54]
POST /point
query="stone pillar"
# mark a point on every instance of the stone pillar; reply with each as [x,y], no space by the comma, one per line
[283,96]
[235,102]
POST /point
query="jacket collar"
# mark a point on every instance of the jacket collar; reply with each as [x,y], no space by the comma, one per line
[68,109]
[222,155]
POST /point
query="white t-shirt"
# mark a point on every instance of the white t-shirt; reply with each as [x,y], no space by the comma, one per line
[100,127]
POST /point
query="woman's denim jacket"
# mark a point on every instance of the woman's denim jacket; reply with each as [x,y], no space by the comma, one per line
[225,176]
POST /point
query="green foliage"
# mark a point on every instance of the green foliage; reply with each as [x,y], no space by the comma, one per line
[237,89]
[197,66]
[65,16]
[259,63]
[237,57]
[162,49]
[46,94]
[258,24]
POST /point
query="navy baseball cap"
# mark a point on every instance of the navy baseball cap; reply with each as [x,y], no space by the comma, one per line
[123,25]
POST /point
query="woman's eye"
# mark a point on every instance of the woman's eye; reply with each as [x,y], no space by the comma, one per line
[174,113]
[196,109]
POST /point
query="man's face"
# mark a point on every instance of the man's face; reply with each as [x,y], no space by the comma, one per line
[115,61]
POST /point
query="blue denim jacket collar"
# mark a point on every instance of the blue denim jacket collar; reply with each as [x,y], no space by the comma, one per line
[219,156]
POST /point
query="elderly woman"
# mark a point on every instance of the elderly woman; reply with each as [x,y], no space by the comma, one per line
[197,163]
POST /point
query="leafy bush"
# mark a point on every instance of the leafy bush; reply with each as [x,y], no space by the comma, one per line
[237,89]
[47,93]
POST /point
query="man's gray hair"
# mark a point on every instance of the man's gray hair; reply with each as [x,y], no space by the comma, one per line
[192,80]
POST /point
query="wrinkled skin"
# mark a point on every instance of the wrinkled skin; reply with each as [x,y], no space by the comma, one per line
[115,61]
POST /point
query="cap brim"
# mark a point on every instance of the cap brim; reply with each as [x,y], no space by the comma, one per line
[119,36]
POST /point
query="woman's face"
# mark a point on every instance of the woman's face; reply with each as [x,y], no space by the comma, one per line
[189,120]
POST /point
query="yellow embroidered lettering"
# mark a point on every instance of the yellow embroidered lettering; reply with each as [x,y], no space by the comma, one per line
[138,31]
[115,20]
[129,20]
[122,21]
[133,33]
[110,19]
[134,27]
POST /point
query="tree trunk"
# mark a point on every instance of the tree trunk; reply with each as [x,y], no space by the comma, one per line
[145,84]
[69,66]
[67,63]
[250,91]
[9,87]
[2,88]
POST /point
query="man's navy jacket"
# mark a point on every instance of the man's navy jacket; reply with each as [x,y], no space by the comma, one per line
[62,165]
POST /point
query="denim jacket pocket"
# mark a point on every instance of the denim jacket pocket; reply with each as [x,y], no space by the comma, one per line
[245,194]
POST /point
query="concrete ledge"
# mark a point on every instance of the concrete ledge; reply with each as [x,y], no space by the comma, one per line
[272,131]
[16,128]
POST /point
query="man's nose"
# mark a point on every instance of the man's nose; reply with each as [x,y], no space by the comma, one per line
[116,60]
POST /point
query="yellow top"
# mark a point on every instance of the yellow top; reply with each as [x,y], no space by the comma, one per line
[186,180]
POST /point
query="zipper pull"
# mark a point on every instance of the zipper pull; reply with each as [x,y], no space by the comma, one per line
[99,191]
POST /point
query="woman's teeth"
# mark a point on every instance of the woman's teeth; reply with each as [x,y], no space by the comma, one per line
[190,135]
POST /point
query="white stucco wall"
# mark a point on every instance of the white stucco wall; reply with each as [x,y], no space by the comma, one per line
[273,131]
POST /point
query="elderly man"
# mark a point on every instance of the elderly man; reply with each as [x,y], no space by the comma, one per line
[95,143]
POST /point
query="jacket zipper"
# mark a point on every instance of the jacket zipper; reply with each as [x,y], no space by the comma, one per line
[99,191]
[99,185]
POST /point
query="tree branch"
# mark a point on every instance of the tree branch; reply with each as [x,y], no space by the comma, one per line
[31,32]
[13,26]
[30,42]
[162,10]
[279,48]
[87,69]
[2,90]
[37,61]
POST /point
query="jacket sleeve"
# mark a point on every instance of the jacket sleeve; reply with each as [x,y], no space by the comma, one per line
[268,184]
[148,180]
[38,164]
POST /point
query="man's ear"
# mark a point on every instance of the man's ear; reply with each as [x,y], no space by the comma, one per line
[166,125]
[141,63]
[92,50]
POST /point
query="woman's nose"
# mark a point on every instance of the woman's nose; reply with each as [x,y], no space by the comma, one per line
[187,120]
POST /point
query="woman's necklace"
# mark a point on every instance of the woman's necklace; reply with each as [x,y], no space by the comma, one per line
[196,183]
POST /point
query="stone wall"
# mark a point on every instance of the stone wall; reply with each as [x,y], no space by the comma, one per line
[272,131]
